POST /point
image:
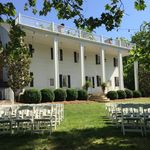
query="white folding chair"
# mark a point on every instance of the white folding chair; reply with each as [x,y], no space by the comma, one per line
[131,118]
[146,115]
[5,120]
[24,119]
[43,119]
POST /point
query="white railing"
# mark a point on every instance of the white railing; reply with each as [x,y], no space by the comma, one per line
[49,26]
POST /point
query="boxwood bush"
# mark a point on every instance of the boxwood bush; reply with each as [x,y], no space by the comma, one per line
[60,95]
[137,94]
[47,95]
[129,93]
[31,96]
[112,95]
[121,94]
[82,94]
[72,94]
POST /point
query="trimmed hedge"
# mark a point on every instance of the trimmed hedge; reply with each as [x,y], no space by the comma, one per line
[72,94]
[60,95]
[112,95]
[47,95]
[31,96]
[137,94]
[129,93]
[121,94]
[82,94]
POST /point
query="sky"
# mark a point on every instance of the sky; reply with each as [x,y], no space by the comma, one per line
[131,21]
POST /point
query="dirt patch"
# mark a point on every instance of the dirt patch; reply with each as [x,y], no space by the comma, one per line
[8,102]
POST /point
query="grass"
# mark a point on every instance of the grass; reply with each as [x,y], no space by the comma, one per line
[85,127]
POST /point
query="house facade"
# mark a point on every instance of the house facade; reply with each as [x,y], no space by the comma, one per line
[63,57]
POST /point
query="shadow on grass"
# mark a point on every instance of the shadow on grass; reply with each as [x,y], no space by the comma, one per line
[106,138]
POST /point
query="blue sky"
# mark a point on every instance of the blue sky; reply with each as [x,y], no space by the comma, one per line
[131,21]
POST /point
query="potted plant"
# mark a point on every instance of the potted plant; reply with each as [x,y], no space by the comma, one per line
[103,86]
[87,85]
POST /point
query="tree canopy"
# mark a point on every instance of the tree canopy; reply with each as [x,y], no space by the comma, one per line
[17,60]
[67,9]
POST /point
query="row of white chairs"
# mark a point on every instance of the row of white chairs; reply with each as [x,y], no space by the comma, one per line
[130,117]
[30,117]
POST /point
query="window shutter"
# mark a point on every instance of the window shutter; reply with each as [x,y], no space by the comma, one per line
[60,80]
[75,57]
[96,58]
[52,54]
[86,78]
[97,79]
[61,55]
[31,50]
[32,80]
[93,81]
[69,81]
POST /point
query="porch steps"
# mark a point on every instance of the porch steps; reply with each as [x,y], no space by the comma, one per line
[99,98]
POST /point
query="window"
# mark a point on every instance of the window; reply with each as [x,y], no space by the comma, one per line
[116,81]
[52,54]
[51,82]
[31,50]
[61,55]
[93,82]
[64,81]
[76,57]
[97,58]
[32,80]
[115,62]
[98,78]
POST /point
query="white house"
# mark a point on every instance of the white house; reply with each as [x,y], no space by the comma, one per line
[63,57]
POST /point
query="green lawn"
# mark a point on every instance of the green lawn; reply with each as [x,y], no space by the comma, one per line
[85,127]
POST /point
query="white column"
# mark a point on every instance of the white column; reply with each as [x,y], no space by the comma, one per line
[56,64]
[121,82]
[103,65]
[136,75]
[82,64]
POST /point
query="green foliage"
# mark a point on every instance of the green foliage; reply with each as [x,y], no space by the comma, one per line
[121,94]
[72,94]
[129,93]
[17,60]
[60,95]
[32,96]
[144,80]
[104,85]
[47,95]
[112,95]
[87,85]
[82,94]
[137,94]
[68,9]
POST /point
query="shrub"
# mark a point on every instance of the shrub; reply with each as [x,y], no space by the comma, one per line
[121,94]
[112,95]
[31,96]
[82,94]
[60,95]
[72,94]
[129,93]
[47,95]
[137,94]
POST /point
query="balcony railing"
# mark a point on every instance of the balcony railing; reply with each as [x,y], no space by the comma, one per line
[50,26]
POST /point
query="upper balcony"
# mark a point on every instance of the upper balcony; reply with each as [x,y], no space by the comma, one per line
[61,29]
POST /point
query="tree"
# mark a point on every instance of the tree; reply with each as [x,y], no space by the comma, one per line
[67,9]
[140,53]
[17,60]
